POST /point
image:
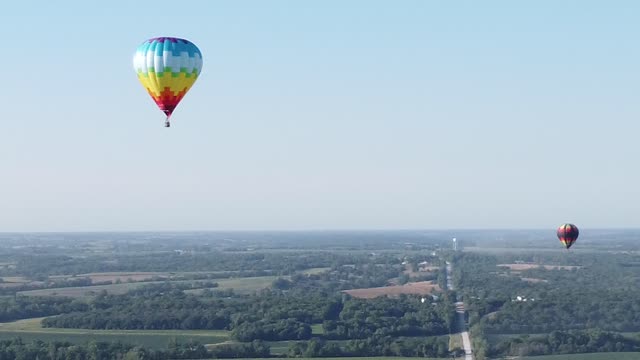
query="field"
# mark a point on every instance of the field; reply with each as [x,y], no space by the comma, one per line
[593,356]
[115,276]
[315,271]
[522,267]
[415,288]
[242,285]
[31,329]
[238,284]
[17,281]
[533,280]
[317,329]
[455,342]
[422,270]
[83,291]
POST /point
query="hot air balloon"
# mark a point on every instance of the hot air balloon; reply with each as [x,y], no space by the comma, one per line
[167,67]
[568,234]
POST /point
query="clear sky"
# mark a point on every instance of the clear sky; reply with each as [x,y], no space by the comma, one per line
[323,115]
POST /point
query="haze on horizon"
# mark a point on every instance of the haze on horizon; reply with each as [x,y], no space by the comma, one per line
[324,115]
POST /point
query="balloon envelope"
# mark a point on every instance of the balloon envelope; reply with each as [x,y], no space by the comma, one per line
[167,67]
[568,234]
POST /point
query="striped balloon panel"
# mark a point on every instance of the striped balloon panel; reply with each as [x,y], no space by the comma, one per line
[568,234]
[167,68]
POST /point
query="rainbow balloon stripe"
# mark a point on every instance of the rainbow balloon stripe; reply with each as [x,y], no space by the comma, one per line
[167,67]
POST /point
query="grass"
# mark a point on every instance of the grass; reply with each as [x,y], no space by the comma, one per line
[31,329]
[317,329]
[248,284]
[455,342]
[280,347]
[419,288]
[315,271]
[591,356]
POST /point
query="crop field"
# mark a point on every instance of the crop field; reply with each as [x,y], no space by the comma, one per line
[533,280]
[31,329]
[455,342]
[315,271]
[241,285]
[115,276]
[15,279]
[248,284]
[415,288]
[317,329]
[84,291]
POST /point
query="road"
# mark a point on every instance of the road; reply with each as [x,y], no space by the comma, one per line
[466,342]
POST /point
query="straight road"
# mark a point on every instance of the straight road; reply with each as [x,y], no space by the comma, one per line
[466,342]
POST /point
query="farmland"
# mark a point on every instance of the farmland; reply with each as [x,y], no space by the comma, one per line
[238,284]
[115,276]
[334,299]
[31,329]
[415,288]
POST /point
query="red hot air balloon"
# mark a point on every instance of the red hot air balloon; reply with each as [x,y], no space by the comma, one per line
[568,234]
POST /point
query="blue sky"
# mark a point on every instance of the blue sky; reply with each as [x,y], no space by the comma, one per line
[323,115]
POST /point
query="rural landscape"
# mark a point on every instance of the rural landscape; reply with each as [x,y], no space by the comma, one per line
[513,294]
[362,179]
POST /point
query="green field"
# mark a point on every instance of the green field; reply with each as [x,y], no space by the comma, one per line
[455,342]
[315,271]
[31,329]
[241,285]
[592,356]
[84,291]
[248,284]
[317,329]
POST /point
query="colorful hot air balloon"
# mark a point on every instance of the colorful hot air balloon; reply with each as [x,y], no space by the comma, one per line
[568,234]
[167,67]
